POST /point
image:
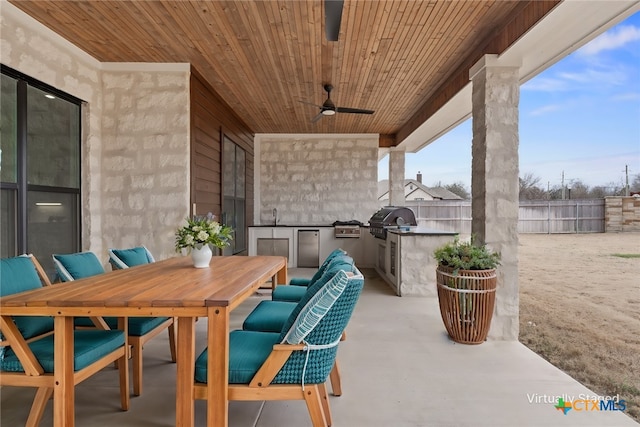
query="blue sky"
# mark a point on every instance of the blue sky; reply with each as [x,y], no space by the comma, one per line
[581,116]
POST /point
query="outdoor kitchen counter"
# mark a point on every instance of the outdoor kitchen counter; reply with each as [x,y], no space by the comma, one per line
[284,240]
[410,268]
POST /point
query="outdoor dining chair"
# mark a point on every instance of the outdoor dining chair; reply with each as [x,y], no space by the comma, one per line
[27,346]
[294,293]
[271,316]
[141,329]
[295,363]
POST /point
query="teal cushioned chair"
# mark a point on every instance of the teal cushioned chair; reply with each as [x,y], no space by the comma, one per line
[294,293]
[295,363]
[27,355]
[125,258]
[303,281]
[270,316]
[140,329]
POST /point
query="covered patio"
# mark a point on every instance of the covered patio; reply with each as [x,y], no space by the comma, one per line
[158,106]
[398,366]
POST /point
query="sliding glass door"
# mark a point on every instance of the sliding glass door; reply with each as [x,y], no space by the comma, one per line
[234,191]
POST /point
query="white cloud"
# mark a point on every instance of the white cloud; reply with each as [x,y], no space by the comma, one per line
[546,109]
[612,39]
[543,84]
[608,76]
[632,96]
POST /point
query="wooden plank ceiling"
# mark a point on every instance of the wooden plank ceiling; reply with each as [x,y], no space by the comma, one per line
[403,59]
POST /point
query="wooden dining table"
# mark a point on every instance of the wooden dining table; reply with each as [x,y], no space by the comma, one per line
[172,287]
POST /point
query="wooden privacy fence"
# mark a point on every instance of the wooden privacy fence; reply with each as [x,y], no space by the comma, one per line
[535,216]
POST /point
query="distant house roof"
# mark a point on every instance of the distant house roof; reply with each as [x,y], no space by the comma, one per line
[413,188]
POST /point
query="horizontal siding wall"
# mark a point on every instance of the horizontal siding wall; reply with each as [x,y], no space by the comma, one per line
[211,118]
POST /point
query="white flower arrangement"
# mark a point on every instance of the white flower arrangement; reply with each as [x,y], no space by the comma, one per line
[203,230]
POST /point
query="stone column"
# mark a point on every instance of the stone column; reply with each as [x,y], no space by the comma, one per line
[396,177]
[494,180]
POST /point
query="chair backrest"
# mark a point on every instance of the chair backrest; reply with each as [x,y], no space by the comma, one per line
[318,274]
[314,365]
[341,262]
[77,266]
[20,274]
[125,258]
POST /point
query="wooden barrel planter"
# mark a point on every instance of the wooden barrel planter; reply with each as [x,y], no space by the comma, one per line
[466,302]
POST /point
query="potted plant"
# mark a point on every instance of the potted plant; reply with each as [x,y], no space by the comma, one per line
[466,280]
[199,235]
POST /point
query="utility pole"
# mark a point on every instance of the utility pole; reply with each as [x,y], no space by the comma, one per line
[562,185]
[626,187]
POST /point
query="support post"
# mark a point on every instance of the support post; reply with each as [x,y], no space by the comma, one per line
[494,180]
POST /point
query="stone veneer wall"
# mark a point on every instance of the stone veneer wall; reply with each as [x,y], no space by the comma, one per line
[33,49]
[621,214]
[145,158]
[316,179]
[135,124]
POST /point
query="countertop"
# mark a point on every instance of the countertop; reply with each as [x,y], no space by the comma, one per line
[297,226]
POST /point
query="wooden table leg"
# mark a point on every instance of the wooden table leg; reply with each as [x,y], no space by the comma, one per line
[63,391]
[186,366]
[218,367]
[282,274]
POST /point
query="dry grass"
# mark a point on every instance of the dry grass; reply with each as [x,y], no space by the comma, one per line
[580,308]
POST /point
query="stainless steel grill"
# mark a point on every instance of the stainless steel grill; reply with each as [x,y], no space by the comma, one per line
[390,217]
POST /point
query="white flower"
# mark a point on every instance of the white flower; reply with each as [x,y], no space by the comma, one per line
[216,229]
[188,240]
[202,236]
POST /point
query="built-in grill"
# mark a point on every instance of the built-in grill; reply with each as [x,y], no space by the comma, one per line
[390,217]
[347,229]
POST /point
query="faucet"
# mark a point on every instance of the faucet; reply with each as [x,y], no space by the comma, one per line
[275,217]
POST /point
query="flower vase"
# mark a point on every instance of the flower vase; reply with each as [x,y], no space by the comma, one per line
[201,256]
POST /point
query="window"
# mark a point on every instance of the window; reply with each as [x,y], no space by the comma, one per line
[39,169]
[234,203]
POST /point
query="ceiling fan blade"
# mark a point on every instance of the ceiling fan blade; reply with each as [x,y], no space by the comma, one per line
[333,17]
[317,117]
[311,103]
[353,110]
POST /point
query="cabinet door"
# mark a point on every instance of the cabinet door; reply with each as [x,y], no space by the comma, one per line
[273,247]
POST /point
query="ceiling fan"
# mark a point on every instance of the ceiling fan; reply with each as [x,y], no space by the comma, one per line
[328,108]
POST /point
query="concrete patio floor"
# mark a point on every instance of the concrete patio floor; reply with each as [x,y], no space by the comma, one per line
[399,368]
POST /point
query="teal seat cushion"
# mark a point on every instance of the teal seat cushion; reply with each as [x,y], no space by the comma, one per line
[299,281]
[288,293]
[125,258]
[18,274]
[138,326]
[247,352]
[89,346]
[268,316]
[77,266]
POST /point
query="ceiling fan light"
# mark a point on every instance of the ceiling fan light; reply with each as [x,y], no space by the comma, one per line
[328,112]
